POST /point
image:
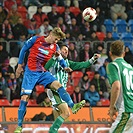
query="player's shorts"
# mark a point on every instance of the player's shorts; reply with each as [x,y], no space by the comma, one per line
[123,123]
[31,78]
[54,97]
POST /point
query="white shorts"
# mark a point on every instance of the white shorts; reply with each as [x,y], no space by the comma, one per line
[123,123]
[54,97]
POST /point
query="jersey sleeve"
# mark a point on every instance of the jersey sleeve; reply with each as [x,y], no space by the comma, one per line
[28,44]
[57,47]
[79,65]
[50,63]
[112,73]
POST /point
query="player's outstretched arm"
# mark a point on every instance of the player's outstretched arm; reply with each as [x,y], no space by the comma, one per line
[83,64]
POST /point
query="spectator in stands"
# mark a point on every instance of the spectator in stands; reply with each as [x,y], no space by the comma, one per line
[117,10]
[5,66]
[39,117]
[102,69]
[77,95]
[91,96]
[85,29]
[94,40]
[21,41]
[74,29]
[84,83]
[3,14]
[129,9]
[8,4]
[80,42]
[100,61]
[27,3]
[3,54]
[128,55]
[4,90]
[39,16]
[13,15]
[108,41]
[104,6]
[72,54]
[13,46]
[6,29]
[67,16]
[70,2]
[12,85]
[100,85]
[98,23]
[68,38]
[103,73]
[19,29]
[45,28]
[61,25]
[33,28]
[46,102]
[86,53]
[53,16]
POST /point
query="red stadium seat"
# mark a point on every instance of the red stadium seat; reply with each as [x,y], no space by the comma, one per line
[23,11]
[70,89]
[32,102]
[105,102]
[76,76]
[39,89]
[74,10]
[90,74]
[15,102]
[100,36]
[60,9]
[4,102]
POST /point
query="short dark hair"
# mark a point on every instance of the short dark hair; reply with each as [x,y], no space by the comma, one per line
[63,45]
[117,48]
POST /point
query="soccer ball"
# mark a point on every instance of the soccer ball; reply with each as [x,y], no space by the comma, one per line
[89,14]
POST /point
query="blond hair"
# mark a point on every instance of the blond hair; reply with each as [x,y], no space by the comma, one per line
[117,48]
[58,32]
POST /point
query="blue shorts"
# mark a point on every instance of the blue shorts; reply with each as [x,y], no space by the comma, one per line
[31,78]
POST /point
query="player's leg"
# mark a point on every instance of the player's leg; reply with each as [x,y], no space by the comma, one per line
[66,97]
[49,81]
[21,112]
[29,81]
[63,108]
[120,123]
[61,111]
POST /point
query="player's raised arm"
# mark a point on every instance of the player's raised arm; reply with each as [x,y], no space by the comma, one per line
[83,64]
[25,48]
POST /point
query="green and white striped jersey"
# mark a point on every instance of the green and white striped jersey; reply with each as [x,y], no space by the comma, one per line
[120,70]
[62,76]
[59,73]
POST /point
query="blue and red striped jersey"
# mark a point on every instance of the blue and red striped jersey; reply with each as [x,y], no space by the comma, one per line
[39,52]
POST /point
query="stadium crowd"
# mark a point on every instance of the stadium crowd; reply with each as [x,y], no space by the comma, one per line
[17,24]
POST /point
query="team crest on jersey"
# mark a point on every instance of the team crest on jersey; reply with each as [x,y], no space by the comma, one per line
[51,46]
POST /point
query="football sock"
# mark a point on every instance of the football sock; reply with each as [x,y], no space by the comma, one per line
[57,123]
[21,112]
[65,96]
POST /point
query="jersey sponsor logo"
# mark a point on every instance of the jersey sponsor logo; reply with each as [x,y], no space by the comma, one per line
[46,52]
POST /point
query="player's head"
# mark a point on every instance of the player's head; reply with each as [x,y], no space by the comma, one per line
[117,49]
[55,35]
[64,50]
